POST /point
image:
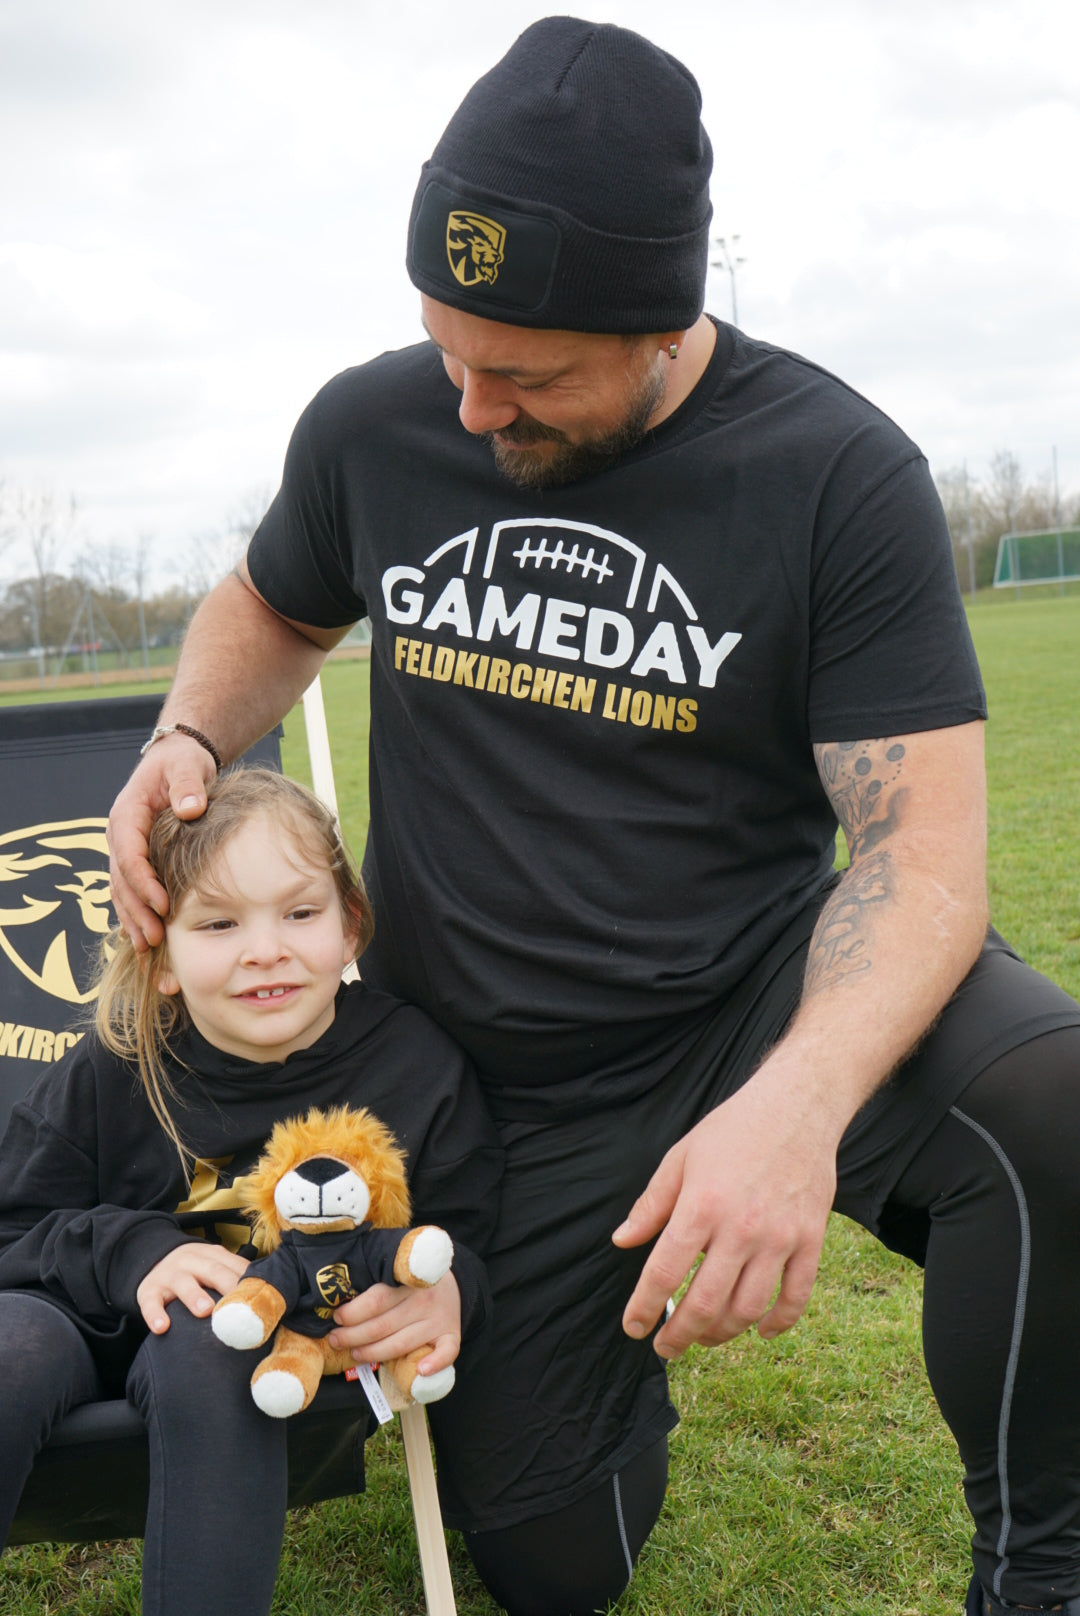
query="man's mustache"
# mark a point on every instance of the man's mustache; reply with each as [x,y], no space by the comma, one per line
[525,431]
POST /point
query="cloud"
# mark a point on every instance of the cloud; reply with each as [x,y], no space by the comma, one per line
[207,210]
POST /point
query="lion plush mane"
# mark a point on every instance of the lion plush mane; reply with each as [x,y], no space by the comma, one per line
[355,1137]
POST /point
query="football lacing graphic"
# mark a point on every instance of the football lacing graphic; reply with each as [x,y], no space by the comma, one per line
[561,556]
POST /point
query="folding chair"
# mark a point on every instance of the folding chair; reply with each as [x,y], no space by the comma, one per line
[63,763]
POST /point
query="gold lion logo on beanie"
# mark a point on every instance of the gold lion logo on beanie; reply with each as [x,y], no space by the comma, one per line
[474,246]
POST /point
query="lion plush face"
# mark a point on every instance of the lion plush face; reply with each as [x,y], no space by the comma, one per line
[328,1170]
[321,1194]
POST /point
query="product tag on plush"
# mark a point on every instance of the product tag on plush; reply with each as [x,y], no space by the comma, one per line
[365,1374]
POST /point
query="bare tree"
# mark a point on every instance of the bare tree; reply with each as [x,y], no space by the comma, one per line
[105,568]
[212,554]
[44,526]
[979,512]
[140,563]
[247,513]
[7,522]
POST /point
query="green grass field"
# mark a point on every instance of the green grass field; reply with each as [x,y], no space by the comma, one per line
[810,1475]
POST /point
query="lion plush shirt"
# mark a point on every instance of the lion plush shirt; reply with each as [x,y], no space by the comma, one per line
[594,804]
[315,1273]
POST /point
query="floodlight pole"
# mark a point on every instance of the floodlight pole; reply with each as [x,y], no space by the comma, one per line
[729,260]
[1057,524]
[970,539]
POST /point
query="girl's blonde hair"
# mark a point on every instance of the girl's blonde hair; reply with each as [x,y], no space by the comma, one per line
[134,1019]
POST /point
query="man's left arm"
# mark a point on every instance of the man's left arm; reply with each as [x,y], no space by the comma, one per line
[750,1187]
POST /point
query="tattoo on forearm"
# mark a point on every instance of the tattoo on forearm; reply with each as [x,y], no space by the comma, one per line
[860,778]
[839,945]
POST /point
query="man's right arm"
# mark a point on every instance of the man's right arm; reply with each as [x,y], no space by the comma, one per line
[242,668]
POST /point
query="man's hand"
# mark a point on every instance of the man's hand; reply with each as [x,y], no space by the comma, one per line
[750,1187]
[176,772]
[182,1276]
[388,1321]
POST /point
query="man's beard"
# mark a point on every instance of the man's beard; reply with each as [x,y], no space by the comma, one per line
[570,461]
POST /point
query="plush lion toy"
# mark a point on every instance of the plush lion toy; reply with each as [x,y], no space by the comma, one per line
[332,1208]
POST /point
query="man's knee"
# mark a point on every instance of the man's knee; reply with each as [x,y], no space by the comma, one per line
[1028,1104]
[579,1559]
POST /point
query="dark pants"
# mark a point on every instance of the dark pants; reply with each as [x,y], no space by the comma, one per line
[989,1202]
[218,1466]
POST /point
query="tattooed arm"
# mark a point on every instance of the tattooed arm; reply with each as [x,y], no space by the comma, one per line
[752,1184]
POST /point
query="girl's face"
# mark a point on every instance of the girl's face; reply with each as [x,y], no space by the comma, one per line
[259,962]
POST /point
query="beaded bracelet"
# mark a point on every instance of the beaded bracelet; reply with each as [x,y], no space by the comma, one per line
[184,729]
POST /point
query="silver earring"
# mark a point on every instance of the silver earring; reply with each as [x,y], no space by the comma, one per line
[673,351]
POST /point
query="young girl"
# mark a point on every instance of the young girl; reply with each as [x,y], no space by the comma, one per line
[141,1138]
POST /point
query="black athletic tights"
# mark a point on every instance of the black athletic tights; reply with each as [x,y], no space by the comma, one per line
[991,1207]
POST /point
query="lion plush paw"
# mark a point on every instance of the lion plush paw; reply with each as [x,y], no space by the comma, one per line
[421,1388]
[238,1325]
[429,1388]
[426,1254]
[279,1394]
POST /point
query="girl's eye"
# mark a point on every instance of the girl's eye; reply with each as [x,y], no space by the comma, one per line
[218,925]
[304,913]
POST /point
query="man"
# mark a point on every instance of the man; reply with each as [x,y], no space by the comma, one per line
[643,594]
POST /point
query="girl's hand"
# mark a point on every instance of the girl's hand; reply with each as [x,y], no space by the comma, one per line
[181,1276]
[388,1321]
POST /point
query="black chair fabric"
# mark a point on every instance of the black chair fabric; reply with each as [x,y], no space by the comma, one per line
[90,1482]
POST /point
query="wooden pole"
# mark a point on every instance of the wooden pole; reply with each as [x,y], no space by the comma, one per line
[430,1537]
[438,1588]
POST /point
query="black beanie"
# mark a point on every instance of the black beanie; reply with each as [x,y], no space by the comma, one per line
[570,189]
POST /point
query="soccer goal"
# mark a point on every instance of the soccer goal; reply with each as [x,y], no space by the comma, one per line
[1052,557]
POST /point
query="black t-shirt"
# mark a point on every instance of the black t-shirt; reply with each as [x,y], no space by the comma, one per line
[594,804]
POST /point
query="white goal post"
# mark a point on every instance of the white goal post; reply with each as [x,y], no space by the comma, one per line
[1048,557]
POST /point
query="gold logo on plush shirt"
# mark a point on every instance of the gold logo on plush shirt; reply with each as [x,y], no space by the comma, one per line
[474,246]
[54,904]
[335,1287]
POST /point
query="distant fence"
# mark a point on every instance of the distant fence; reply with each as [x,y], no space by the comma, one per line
[165,672]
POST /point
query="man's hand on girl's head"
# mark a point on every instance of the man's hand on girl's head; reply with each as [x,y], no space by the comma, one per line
[174,773]
[187,1274]
[388,1321]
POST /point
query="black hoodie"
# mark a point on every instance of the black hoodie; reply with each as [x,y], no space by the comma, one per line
[92,1192]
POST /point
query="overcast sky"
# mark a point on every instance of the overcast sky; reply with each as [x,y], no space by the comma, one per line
[203,208]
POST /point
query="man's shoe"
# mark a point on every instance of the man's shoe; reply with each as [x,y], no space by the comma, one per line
[980,1603]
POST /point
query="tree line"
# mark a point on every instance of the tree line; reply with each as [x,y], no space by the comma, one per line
[74,592]
[980,510]
[70,593]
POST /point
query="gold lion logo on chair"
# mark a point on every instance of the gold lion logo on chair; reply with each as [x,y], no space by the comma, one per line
[54,904]
[474,246]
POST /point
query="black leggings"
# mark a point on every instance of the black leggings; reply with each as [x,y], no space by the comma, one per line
[578,1559]
[997,1189]
[218,1466]
[991,1207]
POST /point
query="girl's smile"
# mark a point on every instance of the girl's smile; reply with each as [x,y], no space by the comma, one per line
[258,959]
